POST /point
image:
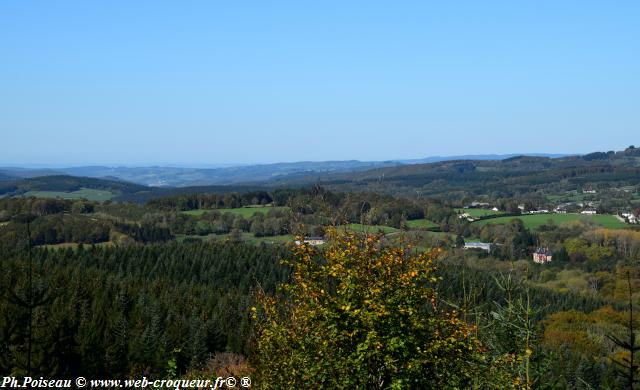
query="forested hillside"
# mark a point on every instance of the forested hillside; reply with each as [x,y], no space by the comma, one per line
[502,178]
[120,311]
[60,183]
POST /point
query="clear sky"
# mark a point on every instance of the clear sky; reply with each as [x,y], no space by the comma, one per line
[134,82]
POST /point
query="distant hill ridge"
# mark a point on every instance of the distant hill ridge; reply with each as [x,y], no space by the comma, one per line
[508,176]
[66,183]
[158,176]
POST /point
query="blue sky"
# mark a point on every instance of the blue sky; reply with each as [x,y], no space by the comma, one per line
[133,82]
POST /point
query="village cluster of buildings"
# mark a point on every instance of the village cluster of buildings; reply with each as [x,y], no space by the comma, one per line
[543,255]
[584,208]
[560,209]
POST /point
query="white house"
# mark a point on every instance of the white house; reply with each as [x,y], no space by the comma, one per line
[589,212]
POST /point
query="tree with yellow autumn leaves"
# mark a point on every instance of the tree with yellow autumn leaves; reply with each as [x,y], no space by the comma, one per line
[357,314]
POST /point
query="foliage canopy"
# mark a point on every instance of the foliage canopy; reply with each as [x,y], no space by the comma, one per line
[359,315]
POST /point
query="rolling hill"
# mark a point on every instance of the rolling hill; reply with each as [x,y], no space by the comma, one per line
[65,186]
[505,178]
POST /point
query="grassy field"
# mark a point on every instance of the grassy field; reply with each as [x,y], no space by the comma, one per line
[478,212]
[535,220]
[84,193]
[420,224]
[245,212]
[356,227]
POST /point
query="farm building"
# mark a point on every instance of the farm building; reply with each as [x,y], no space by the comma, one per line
[541,211]
[630,217]
[542,255]
[466,216]
[589,212]
[485,246]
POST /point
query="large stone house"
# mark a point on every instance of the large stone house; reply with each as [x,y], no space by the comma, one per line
[542,255]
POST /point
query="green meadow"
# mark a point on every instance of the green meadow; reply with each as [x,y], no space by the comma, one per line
[359,228]
[420,224]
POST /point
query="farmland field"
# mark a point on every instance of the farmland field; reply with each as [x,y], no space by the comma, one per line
[421,224]
[245,212]
[478,212]
[535,220]
[84,193]
[359,228]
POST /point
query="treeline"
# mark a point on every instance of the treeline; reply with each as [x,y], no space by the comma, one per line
[126,311]
[58,228]
[274,222]
[56,221]
[210,201]
[11,207]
